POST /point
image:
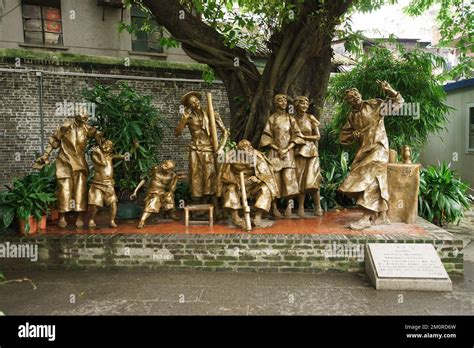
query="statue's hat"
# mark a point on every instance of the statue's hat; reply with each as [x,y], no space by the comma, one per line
[185,99]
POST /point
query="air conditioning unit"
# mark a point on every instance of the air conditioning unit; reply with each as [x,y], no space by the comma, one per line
[111,3]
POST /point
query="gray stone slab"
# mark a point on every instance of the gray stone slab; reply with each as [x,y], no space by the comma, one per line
[400,266]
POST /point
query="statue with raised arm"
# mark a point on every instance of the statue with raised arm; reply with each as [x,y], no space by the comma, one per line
[71,167]
[160,193]
[308,170]
[101,190]
[367,180]
[203,167]
[280,136]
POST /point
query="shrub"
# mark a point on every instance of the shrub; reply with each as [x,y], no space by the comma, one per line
[443,198]
[134,125]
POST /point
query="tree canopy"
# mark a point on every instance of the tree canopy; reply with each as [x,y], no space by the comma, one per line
[296,36]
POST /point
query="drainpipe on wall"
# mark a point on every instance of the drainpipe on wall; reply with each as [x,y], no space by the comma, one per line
[39,75]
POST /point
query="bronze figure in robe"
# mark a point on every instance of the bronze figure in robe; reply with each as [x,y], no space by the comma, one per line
[367,180]
[308,170]
[280,136]
[260,182]
[101,190]
[160,193]
[71,166]
[202,164]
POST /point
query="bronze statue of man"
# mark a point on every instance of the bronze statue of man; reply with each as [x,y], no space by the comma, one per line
[160,193]
[202,158]
[367,180]
[280,136]
[101,190]
[71,166]
[260,182]
[308,169]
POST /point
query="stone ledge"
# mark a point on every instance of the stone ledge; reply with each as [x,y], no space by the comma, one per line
[236,252]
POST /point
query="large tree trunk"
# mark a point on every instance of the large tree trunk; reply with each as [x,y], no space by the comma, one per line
[299,64]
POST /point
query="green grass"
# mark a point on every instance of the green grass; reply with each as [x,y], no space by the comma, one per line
[85,59]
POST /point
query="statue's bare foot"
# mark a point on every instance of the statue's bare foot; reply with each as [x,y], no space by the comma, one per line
[381,220]
[318,211]
[276,213]
[62,222]
[141,224]
[301,212]
[92,224]
[113,224]
[257,221]
[239,222]
[79,222]
[288,211]
[362,223]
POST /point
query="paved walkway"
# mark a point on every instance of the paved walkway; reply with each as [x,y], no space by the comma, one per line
[465,229]
[141,293]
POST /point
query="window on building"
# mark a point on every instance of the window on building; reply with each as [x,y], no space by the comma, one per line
[145,41]
[470,128]
[42,22]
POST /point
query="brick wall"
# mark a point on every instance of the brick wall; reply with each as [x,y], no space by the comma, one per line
[239,252]
[20,131]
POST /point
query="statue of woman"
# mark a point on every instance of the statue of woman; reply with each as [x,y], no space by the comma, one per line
[280,136]
[308,170]
[71,167]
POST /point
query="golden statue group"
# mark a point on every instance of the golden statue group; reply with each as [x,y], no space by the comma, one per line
[288,169]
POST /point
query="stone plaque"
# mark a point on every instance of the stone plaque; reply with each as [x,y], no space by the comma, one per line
[406,267]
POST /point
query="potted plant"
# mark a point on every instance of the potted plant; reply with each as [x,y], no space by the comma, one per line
[135,126]
[29,200]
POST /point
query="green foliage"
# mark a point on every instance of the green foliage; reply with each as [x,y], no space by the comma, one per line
[443,198]
[333,174]
[456,28]
[410,73]
[2,277]
[31,195]
[182,193]
[135,127]
[208,75]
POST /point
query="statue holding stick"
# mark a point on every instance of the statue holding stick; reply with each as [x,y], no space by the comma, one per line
[202,125]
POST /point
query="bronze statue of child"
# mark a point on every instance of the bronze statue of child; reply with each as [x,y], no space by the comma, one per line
[102,189]
[160,193]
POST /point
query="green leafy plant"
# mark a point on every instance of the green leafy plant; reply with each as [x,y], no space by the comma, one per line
[31,195]
[443,198]
[333,174]
[134,125]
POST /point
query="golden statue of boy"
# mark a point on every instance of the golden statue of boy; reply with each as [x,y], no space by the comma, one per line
[160,193]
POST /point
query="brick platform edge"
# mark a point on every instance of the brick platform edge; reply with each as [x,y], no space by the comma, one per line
[236,252]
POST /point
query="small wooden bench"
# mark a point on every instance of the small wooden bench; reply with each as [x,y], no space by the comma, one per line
[199,207]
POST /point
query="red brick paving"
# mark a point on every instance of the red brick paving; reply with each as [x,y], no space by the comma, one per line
[334,222]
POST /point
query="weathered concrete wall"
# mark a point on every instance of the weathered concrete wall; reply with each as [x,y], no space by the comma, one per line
[450,145]
[87,32]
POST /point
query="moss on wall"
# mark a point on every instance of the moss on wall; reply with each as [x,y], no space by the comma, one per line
[100,60]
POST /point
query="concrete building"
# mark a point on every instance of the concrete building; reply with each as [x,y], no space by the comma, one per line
[88,27]
[455,145]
